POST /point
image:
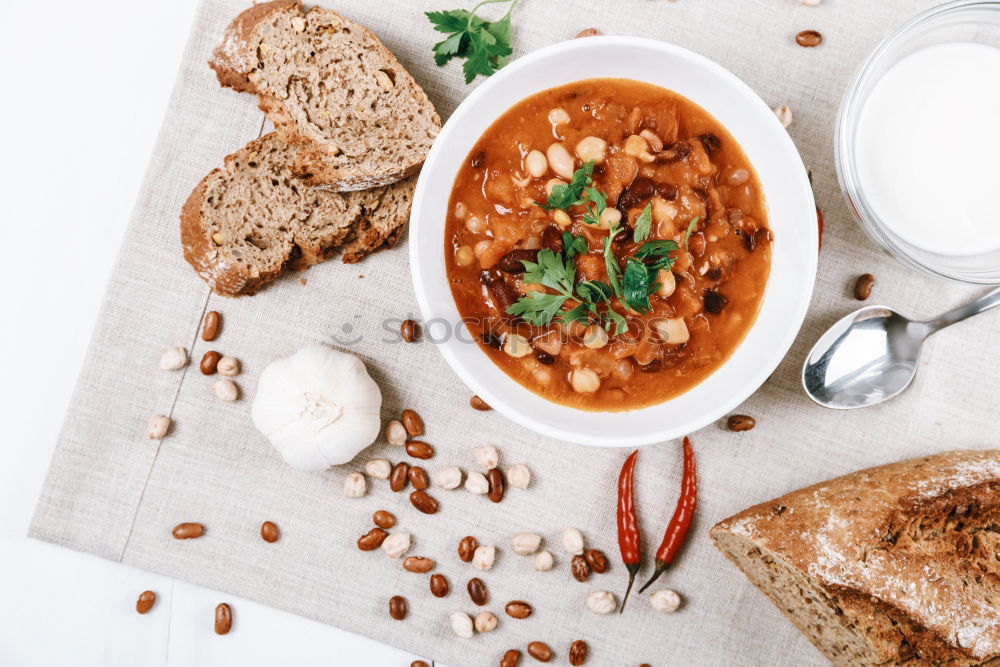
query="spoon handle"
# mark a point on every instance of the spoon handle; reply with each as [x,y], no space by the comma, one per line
[983,303]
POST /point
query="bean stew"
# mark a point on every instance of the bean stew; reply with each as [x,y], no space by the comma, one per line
[607,244]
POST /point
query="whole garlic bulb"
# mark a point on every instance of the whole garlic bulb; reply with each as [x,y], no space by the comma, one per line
[318,407]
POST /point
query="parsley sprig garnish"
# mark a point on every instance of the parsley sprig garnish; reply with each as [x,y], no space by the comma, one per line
[484,44]
[570,194]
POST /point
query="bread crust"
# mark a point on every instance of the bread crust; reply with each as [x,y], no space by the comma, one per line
[236,56]
[905,552]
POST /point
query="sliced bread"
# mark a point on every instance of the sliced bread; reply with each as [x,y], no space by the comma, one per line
[245,223]
[893,565]
[354,116]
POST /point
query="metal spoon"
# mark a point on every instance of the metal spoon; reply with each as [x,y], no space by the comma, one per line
[871,355]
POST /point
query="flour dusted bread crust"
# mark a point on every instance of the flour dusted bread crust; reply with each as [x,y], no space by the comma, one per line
[245,223]
[354,116]
[893,565]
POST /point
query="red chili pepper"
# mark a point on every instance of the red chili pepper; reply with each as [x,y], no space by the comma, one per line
[677,529]
[628,523]
[819,220]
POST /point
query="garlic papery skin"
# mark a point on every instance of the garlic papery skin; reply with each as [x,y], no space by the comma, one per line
[318,407]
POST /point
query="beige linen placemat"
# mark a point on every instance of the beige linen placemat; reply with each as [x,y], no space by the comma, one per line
[112,492]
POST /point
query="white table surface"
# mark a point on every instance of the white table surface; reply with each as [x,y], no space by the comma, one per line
[85,86]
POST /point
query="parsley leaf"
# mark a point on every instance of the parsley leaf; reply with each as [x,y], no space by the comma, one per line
[621,326]
[611,263]
[574,245]
[660,252]
[595,197]
[690,229]
[642,224]
[636,284]
[564,196]
[538,308]
[576,314]
[552,271]
[484,44]
[593,291]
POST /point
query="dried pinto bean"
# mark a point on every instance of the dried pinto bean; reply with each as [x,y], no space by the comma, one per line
[269,531]
[384,519]
[495,478]
[675,152]
[418,478]
[518,609]
[209,362]
[439,585]
[419,449]
[512,262]
[413,423]
[580,569]
[503,295]
[635,194]
[467,547]
[540,651]
[223,619]
[512,658]
[597,561]
[740,422]
[418,564]
[714,301]
[423,502]
[809,38]
[398,476]
[863,287]
[372,540]
[578,653]
[477,591]
[711,142]
[210,329]
[408,330]
[188,531]
[479,404]
[145,602]
[668,191]
[397,607]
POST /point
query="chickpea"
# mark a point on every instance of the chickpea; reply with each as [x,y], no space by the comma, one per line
[549,342]
[609,217]
[637,147]
[464,256]
[652,139]
[562,218]
[475,224]
[595,337]
[592,149]
[516,345]
[623,370]
[551,183]
[560,160]
[481,248]
[536,164]
[739,177]
[460,211]
[542,375]
[584,381]
[558,116]
[673,331]
[667,282]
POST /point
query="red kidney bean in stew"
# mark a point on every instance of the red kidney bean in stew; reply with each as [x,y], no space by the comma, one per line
[607,244]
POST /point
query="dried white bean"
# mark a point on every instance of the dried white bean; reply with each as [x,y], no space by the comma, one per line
[228,366]
[543,561]
[226,390]
[355,485]
[519,476]
[395,432]
[173,359]
[483,557]
[396,544]
[477,483]
[572,541]
[486,621]
[158,426]
[525,544]
[448,478]
[378,468]
[560,160]
[602,602]
[486,456]
[665,601]
[536,163]
[784,114]
[461,623]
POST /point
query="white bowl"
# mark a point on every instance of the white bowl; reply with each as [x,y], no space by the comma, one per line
[791,216]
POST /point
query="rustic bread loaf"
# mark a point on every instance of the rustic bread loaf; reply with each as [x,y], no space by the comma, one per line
[893,565]
[353,114]
[246,222]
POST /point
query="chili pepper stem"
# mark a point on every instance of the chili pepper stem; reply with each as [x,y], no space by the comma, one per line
[660,569]
[632,571]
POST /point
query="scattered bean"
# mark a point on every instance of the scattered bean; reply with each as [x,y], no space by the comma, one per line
[540,651]
[419,449]
[512,658]
[384,519]
[188,531]
[211,326]
[484,557]
[809,38]
[572,541]
[413,423]
[209,362]
[409,331]
[399,475]
[269,531]
[396,544]
[397,607]
[597,561]
[439,585]
[418,478]
[355,485]
[863,287]
[665,601]
[174,358]
[372,540]
[424,502]
[226,390]
[418,564]
[419,663]
[740,422]
[784,114]
[486,456]
[525,544]
[395,432]
[223,619]
[578,653]
[477,483]
[580,569]
[467,547]
[495,479]
[602,602]
[588,32]
[145,602]
[448,478]
[486,621]
[518,609]
[158,426]
[378,468]
[479,404]
[461,624]
[477,591]
[519,476]
[543,561]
